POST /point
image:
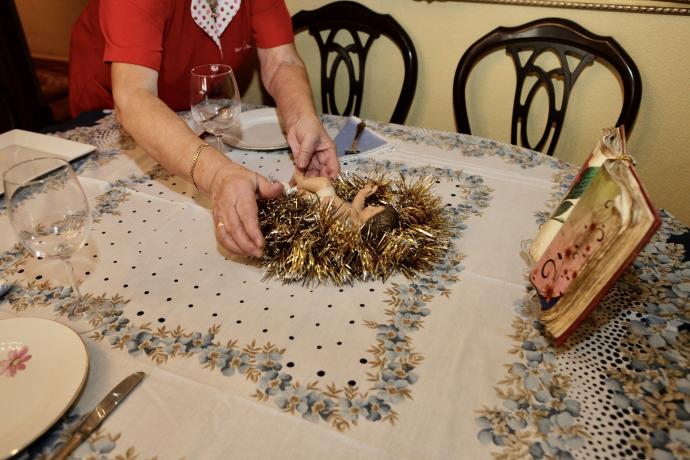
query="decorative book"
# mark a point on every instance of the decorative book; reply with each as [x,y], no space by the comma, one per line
[596,232]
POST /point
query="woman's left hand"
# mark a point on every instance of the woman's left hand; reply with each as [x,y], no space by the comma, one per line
[312,148]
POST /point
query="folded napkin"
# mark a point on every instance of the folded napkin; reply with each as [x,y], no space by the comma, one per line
[369,142]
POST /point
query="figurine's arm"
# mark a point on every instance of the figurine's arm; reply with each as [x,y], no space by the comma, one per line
[362,195]
[310,184]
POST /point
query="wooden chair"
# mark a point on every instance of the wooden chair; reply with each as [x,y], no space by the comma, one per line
[21,102]
[358,21]
[564,38]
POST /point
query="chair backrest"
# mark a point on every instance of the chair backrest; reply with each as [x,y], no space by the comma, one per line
[564,38]
[21,102]
[359,21]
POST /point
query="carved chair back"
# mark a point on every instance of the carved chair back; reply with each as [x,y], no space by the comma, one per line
[564,38]
[363,27]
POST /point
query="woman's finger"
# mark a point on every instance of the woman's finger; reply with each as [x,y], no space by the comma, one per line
[226,241]
[300,157]
[268,189]
[315,167]
[238,231]
[248,213]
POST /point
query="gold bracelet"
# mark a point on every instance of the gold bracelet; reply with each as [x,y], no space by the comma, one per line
[195,158]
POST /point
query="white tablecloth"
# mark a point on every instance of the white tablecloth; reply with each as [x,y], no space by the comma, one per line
[447,365]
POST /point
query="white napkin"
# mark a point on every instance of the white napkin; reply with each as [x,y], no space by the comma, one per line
[370,142]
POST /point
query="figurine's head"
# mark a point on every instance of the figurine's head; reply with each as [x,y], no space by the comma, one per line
[381,223]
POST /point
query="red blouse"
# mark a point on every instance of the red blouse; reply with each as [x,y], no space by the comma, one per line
[163,36]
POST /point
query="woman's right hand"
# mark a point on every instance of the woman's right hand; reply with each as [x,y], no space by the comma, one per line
[162,133]
[234,191]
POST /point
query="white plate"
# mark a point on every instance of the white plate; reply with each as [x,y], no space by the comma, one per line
[19,145]
[35,398]
[259,130]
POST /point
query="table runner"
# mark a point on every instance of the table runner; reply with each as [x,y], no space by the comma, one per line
[450,364]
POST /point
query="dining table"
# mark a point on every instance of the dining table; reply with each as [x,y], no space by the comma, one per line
[452,363]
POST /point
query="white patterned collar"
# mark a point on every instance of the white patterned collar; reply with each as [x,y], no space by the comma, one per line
[213,16]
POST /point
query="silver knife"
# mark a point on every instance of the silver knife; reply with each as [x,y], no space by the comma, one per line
[93,420]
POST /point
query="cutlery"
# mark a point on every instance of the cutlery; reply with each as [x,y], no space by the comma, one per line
[93,420]
[353,150]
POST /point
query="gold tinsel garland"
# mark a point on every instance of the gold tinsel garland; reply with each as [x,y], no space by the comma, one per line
[305,242]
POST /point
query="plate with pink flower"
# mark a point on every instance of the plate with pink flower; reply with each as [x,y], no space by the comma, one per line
[43,367]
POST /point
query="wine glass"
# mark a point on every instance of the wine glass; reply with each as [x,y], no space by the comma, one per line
[214,99]
[49,214]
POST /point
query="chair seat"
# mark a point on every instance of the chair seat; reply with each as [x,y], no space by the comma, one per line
[54,82]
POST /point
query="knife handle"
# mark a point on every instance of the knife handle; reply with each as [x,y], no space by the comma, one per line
[358,133]
[68,447]
[353,150]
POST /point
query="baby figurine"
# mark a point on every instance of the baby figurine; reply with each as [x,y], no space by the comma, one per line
[374,221]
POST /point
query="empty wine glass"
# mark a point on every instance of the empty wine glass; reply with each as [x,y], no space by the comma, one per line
[214,99]
[49,213]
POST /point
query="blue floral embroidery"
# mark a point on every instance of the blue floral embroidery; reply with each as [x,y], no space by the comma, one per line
[658,385]
[655,388]
[101,444]
[109,139]
[469,146]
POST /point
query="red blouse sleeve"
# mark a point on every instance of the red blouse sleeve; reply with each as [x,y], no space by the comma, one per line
[271,23]
[133,31]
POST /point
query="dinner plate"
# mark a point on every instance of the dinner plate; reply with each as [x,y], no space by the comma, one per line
[259,130]
[19,145]
[43,367]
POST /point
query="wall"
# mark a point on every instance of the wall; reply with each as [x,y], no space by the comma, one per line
[442,30]
[47,25]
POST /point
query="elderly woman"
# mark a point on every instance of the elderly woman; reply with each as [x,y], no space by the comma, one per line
[136,56]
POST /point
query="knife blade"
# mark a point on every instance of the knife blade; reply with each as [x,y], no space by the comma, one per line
[93,419]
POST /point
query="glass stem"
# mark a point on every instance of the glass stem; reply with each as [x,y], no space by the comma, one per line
[72,279]
[219,139]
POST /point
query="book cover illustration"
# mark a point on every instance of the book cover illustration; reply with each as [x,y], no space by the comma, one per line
[578,242]
[608,148]
[601,233]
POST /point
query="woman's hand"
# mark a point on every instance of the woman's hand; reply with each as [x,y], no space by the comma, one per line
[232,188]
[285,77]
[312,148]
[234,191]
